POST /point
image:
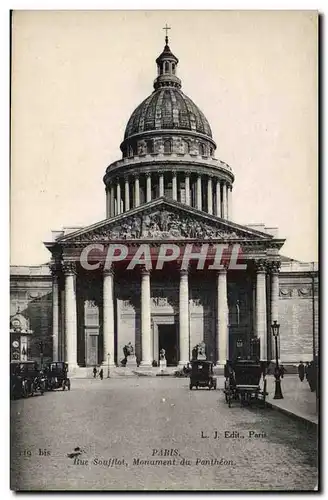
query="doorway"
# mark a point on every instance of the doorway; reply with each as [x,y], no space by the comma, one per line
[168,340]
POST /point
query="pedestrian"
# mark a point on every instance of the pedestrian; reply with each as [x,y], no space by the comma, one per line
[101,374]
[282,371]
[301,371]
[95,372]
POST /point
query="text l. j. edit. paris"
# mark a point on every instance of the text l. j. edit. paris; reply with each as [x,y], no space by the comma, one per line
[232,435]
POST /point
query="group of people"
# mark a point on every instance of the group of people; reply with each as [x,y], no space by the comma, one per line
[303,370]
[95,373]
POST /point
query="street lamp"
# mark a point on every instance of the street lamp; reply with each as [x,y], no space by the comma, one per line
[275,332]
[108,355]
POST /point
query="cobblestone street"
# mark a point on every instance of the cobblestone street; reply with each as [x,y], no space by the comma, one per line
[135,418]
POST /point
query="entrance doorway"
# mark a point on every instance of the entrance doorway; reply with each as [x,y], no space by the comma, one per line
[168,340]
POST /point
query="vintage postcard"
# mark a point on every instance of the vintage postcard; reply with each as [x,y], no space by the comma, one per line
[164,260]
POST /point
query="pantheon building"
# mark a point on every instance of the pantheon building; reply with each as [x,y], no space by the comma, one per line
[169,192]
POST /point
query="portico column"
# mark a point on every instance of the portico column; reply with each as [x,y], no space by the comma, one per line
[118,196]
[224,202]
[209,196]
[199,192]
[187,188]
[148,186]
[108,316]
[136,191]
[218,198]
[274,267]
[261,320]
[69,269]
[183,318]
[146,357]
[161,185]
[112,200]
[174,186]
[127,195]
[222,318]
[55,312]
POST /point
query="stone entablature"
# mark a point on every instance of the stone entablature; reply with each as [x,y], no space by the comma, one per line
[183,162]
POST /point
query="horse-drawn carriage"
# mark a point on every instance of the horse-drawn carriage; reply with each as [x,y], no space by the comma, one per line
[245,381]
[201,374]
[26,379]
[56,376]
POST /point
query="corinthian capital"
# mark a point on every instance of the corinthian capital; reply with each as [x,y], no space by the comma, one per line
[54,267]
[69,267]
[261,266]
[274,266]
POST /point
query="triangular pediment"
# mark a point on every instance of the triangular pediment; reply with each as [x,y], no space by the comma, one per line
[164,219]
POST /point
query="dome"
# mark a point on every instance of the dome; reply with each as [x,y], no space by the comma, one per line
[167,108]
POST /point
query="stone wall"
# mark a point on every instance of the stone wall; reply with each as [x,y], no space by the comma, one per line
[296,315]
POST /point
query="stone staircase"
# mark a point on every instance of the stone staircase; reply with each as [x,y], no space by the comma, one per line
[120,371]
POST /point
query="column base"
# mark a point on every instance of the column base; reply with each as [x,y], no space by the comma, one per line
[221,363]
[146,364]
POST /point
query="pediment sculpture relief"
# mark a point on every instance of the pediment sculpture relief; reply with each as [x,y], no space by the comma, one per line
[161,225]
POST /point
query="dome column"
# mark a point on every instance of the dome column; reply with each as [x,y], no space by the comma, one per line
[118,196]
[108,202]
[199,192]
[174,186]
[209,195]
[161,185]
[112,200]
[229,200]
[148,187]
[136,191]
[187,188]
[127,195]
[218,199]
[224,202]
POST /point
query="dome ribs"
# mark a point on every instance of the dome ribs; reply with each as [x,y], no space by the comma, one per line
[149,123]
[167,110]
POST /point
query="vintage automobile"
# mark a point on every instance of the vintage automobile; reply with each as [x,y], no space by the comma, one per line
[56,376]
[245,381]
[201,374]
[26,379]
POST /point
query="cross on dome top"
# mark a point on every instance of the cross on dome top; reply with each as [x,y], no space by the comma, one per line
[166,28]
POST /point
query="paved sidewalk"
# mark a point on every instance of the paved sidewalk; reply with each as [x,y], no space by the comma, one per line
[298,400]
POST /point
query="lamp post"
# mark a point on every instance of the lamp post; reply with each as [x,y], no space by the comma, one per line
[41,355]
[275,332]
[108,355]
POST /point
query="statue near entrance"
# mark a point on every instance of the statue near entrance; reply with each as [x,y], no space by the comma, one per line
[129,355]
[162,360]
[199,351]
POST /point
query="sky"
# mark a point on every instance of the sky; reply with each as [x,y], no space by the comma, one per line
[77,76]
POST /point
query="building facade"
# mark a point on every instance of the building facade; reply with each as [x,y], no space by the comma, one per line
[168,268]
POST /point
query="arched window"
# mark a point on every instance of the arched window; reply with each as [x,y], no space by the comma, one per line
[130,151]
[211,151]
[202,150]
[167,67]
[173,68]
[167,146]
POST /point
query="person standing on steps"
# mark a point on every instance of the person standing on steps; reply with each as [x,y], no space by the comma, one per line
[95,372]
[101,374]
